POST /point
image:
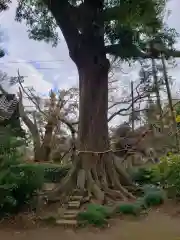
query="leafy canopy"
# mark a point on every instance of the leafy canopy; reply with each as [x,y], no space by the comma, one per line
[4,4]
[124,22]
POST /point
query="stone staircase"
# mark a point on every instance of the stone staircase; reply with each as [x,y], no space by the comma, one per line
[69,217]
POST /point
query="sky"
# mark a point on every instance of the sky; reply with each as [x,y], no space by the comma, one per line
[45,67]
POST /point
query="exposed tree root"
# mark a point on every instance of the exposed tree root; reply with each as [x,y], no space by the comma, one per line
[102,180]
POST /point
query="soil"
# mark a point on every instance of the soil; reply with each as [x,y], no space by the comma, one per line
[160,224]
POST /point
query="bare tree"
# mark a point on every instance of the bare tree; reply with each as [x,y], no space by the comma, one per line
[46,126]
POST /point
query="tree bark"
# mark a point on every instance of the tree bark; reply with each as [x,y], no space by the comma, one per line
[46,144]
[93,124]
[96,170]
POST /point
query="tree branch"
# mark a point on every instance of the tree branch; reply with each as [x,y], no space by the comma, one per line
[119,112]
[31,126]
[63,12]
[135,52]
[68,124]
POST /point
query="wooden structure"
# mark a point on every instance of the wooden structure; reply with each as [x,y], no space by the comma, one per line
[9,113]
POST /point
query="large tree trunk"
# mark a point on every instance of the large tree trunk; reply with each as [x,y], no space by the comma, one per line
[93,124]
[96,169]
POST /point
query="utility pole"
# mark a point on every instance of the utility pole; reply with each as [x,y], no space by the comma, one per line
[158,98]
[132,99]
[173,117]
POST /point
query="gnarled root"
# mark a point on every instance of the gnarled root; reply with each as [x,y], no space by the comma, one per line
[102,181]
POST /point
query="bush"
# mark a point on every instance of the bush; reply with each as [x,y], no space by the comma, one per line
[129,209]
[54,173]
[51,172]
[165,174]
[142,176]
[153,198]
[106,212]
[147,188]
[95,214]
[172,175]
[17,185]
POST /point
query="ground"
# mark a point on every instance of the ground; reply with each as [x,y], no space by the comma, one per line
[160,224]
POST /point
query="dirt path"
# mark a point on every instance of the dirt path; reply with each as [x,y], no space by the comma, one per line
[157,226]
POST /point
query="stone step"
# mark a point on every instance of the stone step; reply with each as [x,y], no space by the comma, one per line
[76,198]
[71,212]
[70,216]
[74,204]
[64,222]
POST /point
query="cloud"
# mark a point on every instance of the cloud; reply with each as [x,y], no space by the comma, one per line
[32,76]
[54,64]
[47,67]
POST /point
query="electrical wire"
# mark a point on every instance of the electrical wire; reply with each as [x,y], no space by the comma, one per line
[33,61]
[36,62]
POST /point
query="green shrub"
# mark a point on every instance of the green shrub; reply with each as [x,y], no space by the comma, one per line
[17,185]
[154,198]
[169,170]
[95,214]
[94,218]
[147,188]
[51,172]
[142,176]
[172,183]
[106,212]
[129,209]
[54,173]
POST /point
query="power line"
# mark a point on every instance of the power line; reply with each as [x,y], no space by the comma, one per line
[33,61]
[51,69]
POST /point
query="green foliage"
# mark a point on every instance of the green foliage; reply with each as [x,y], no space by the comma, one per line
[177,108]
[172,174]
[98,215]
[17,185]
[142,175]
[165,174]
[95,214]
[124,22]
[154,198]
[99,208]
[51,172]
[54,173]
[147,188]
[129,209]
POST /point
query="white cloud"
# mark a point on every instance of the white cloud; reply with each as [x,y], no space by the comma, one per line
[32,76]
[58,67]
[60,70]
